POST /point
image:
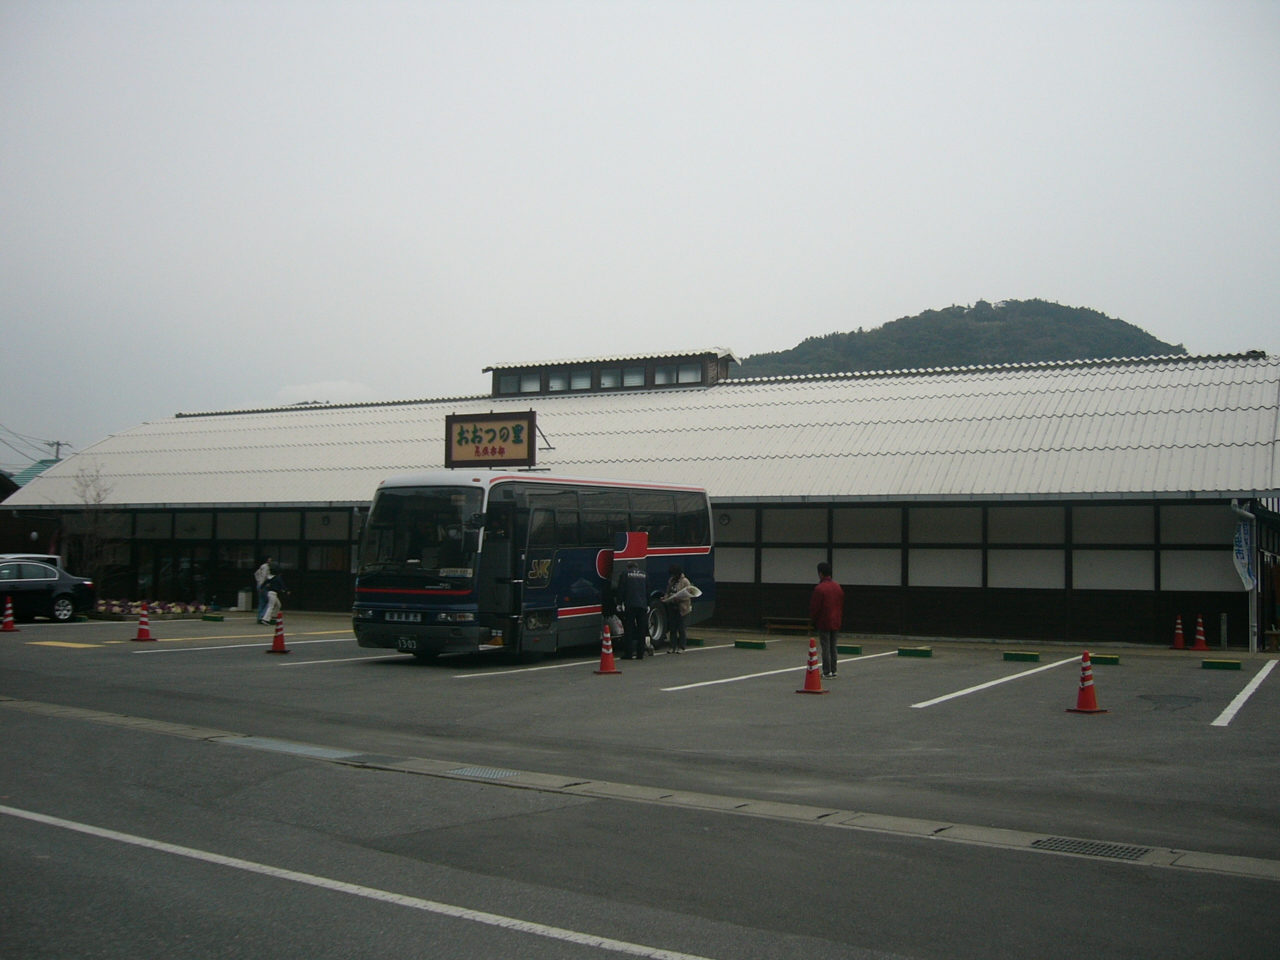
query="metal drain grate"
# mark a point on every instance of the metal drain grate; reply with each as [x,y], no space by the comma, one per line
[488,773]
[1090,848]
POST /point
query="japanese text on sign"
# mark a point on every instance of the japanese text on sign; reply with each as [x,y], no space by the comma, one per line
[497,440]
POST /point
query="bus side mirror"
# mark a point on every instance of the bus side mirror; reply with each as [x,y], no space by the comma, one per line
[471,539]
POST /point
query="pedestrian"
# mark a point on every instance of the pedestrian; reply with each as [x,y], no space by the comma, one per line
[679,604]
[825,609]
[609,610]
[260,577]
[276,590]
[635,606]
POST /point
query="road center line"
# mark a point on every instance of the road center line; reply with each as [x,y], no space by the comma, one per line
[561,666]
[239,646]
[993,683]
[370,893]
[770,673]
[1227,715]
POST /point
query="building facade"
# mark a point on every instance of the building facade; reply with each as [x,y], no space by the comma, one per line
[1082,500]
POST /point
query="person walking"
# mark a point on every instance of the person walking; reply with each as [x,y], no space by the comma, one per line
[260,577]
[635,615]
[679,605]
[275,591]
[826,608]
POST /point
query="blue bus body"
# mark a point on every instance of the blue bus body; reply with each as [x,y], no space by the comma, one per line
[461,561]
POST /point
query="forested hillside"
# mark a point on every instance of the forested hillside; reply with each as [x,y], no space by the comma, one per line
[1012,331]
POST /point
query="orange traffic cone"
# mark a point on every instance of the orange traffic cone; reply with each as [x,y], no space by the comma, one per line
[277,645]
[1086,699]
[8,617]
[1178,642]
[812,678]
[606,654]
[1200,644]
[144,625]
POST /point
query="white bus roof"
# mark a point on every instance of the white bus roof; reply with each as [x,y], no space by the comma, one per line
[487,478]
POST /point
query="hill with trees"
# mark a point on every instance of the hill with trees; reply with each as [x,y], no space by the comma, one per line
[1012,331]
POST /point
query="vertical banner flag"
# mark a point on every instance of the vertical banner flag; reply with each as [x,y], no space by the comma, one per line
[1242,553]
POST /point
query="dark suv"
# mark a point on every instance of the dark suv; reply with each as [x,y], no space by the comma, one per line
[41,590]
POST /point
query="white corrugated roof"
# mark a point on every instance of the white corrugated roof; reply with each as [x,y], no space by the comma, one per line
[1170,427]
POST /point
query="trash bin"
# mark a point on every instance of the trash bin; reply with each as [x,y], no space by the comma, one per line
[245,600]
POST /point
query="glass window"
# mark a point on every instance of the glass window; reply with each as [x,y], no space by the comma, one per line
[633,377]
[664,375]
[154,526]
[690,373]
[610,379]
[38,571]
[654,513]
[603,500]
[509,383]
[193,526]
[237,526]
[567,528]
[542,529]
[421,531]
[530,382]
[8,571]
[599,527]
[327,525]
[580,380]
[236,556]
[692,525]
[280,526]
[557,381]
[327,558]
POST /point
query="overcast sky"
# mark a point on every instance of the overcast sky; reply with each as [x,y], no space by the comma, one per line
[219,205]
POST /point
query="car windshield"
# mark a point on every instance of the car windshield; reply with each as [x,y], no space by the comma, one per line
[420,531]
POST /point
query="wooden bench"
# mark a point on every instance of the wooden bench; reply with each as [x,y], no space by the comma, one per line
[797,624]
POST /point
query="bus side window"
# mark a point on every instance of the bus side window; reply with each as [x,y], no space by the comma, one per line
[542,529]
[567,528]
[691,520]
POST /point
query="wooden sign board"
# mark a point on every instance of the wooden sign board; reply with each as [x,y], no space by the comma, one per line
[490,440]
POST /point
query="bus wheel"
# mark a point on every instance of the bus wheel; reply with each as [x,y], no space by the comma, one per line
[657,621]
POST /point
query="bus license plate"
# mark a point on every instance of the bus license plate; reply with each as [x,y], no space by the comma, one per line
[406,643]
[394,617]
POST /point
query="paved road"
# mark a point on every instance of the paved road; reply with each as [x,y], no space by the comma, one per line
[694,881]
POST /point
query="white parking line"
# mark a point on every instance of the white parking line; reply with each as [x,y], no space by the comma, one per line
[239,646]
[561,666]
[993,683]
[770,673]
[1227,715]
[370,893]
[307,663]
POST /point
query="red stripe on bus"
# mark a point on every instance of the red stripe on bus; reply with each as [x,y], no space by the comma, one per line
[578,611]
[434,593]
[678,551]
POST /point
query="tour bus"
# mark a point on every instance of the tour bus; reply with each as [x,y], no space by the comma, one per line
[459,561]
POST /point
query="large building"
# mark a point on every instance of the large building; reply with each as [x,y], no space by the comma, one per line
[1070,500]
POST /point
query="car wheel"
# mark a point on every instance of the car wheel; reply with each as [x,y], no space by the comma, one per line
[63,609]
[657,622]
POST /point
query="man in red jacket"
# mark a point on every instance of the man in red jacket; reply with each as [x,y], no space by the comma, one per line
[825,609]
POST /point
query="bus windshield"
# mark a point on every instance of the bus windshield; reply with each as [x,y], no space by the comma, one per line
[420,532]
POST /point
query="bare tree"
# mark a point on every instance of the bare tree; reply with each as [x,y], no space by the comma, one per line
[89,540]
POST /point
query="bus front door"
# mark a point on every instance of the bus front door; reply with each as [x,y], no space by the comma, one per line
[500,581]
[539,606]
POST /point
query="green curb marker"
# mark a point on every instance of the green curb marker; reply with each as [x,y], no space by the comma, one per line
[1220,664]
[915,651]
[750,645]
[78,618]
[1106,659]
[695,641]
[213,617]
[1022,656]
[851,649]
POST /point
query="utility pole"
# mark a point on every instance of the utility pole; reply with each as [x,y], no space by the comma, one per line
[57,447]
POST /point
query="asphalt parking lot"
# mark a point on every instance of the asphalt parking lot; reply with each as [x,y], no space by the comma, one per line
[1154,769]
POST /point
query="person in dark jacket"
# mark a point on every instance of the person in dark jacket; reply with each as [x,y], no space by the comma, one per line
[826,608]
[635,617]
